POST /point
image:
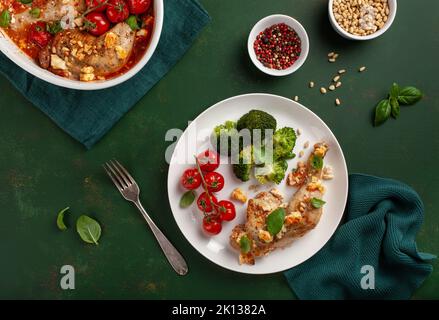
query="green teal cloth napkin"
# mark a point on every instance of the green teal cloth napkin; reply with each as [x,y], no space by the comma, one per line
[87,116]
[379,229]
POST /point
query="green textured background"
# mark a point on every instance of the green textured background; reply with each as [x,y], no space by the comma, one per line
[43,170]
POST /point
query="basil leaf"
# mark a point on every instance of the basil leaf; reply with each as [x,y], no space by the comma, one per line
[382,112]
[25,1]
[89,229]
[60,219]
[275,221]
[187,198]
[394,91]
[394,104]
[317,162]
[54,27]
[245,244]
[35,12]
[5,19]
[132,22]
[317,203]
[409,95]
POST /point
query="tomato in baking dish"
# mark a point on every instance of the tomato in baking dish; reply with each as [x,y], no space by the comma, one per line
[85,40]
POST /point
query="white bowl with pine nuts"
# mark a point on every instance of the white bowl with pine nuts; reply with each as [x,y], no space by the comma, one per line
[361,19]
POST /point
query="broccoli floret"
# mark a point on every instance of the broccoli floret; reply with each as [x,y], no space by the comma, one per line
[284,141]
[274,172]
[225,134]
[257,119]
[242,169]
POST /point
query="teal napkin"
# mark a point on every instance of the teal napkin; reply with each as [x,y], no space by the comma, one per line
[87,116]
[379,229]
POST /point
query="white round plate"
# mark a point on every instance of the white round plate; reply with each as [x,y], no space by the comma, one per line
[195,139]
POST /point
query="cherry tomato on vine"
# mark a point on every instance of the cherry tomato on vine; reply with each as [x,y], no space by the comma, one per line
[191,179]
[96,23]
[96,5]
[214,181]
[212,224]
[138,6]
[38,34]
[208,160]
[206,203]
[226,210]
[117,11]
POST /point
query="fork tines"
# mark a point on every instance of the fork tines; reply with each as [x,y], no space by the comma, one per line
[118,174]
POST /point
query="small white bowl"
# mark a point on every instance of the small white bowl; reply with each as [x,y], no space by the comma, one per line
[347,35]
[267,22]
[22,60]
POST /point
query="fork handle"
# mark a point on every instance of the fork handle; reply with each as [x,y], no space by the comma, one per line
[174,257]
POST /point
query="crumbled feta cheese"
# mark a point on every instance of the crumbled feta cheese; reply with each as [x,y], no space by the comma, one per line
[121,52]
[86,77]
[110,40]
[57,63]
[87,69]
[265,236]
[239,195]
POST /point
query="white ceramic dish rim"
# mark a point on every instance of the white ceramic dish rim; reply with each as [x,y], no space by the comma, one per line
[22,60]
[274,19]
[345,173]
[392,7]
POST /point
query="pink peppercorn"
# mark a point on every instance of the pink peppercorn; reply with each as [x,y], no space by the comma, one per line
[278,47]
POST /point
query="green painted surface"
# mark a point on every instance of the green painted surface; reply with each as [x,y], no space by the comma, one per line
[42,170]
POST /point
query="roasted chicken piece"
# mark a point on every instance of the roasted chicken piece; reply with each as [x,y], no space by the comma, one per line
[302,213]
[85,54]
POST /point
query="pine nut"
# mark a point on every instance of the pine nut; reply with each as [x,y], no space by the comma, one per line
[337,102]
[323,90]
[336,78]
[311,84]
[362,69]
[332,87]
[296,98]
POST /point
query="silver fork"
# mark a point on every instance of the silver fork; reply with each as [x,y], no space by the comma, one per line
[129,189]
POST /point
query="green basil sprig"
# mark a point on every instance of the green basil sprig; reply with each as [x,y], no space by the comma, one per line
[88,229]
[132,22]
[187,198]
[275,221]
[60,219]
[245,244]
[5,18]
[391,106]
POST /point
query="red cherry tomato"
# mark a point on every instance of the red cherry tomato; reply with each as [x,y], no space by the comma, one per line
[208,160]
[38,34]
[117,11]
[206,204]
[214,181]
[212,224]
[96,23]
[138,6]
[96,5]
[191,179]
[226,210]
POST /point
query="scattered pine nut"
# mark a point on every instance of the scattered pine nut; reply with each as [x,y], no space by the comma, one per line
[331,87]
[296,98]
[335,56]
[336,78]
[341,71]
[337,102]
[331,54]
[301,153]
[311,84]
[338,84]
[306,145]
[332,60]
[323,90]
[362,69]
